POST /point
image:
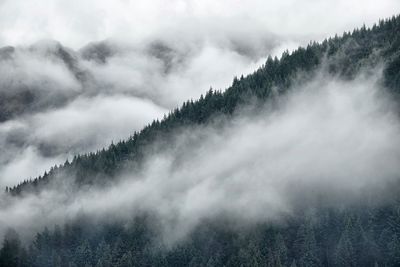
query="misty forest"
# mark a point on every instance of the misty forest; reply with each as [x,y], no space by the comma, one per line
[125,152]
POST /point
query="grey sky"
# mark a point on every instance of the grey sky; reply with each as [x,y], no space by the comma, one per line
[75,22]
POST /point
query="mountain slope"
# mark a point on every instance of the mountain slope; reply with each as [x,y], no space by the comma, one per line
[342,56]
[365,233]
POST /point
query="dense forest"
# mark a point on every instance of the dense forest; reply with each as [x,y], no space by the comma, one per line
[350,236]
[326,238]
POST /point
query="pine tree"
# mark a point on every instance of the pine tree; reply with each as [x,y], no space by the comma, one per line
[10,252]
[103,255]
[394,251]
[250,255]
[345,255]
[57,262]
[280,249]
[126,260]
[83,254]
[306,246]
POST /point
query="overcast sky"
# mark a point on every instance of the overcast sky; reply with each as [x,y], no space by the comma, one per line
[77,22]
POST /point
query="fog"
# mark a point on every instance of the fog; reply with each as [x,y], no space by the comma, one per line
[328,137]
[35,143]
[57,102]
[80,75]
[76,23]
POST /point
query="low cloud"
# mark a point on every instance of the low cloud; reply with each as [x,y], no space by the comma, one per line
[56,101]
[154,54]
[328,142]
[75,23]
[34,143]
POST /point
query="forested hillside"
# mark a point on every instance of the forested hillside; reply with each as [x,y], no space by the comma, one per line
[366,234]
[344,56]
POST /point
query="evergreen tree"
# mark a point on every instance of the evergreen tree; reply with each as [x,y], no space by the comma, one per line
[345,254]
[280,250]
[306,246]
[394,251]
[126,260]
[103,255]
[83,254]
[10,252]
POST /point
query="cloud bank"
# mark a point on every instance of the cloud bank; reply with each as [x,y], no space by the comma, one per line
[57,102]
[76,23]
[328,137]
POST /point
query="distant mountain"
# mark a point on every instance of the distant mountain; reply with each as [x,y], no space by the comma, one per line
[18,95]
[98,52]
[28,91]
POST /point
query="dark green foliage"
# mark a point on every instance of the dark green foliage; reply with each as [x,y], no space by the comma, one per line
[12,253]
[305,246]
[213,244]
[345,251]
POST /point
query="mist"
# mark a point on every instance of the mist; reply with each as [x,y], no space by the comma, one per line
[62,62]
[327,142]
[57,102]
[76,23]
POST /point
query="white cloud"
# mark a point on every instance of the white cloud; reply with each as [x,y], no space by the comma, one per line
[32,144]
[76,23]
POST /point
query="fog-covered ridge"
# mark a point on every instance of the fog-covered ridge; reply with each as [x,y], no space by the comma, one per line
[289,159]
[63,59]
